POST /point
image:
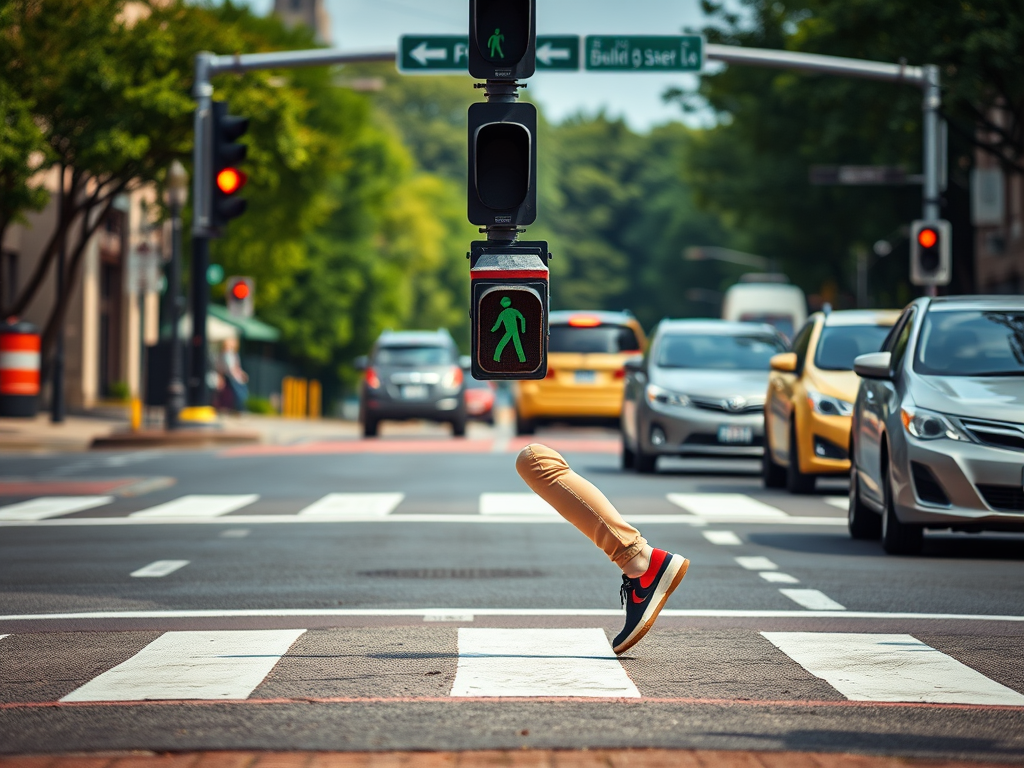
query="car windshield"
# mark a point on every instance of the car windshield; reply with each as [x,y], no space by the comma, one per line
[782,323]
[411,356]
[840,344]
[718,351]
[600,339]
[971,343]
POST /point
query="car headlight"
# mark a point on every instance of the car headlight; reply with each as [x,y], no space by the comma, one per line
[662,396]
[826,405]
[929,425]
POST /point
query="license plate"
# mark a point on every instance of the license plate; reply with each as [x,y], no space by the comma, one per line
[586,377]
[414,392]
[734,434]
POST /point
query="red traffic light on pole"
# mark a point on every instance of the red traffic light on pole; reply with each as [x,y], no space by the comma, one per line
[930,252]
[239,296]
[227,154]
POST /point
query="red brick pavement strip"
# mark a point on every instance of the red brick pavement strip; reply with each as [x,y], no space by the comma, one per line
[525,758]
[63,487]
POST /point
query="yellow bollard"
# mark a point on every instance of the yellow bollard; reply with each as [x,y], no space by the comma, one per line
[315,394]
[300,405]
[286,397]
[136,414]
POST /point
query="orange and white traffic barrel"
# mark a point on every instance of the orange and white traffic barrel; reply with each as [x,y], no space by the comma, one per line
[19,369]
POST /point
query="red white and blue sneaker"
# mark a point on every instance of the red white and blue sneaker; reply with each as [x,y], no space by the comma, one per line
[645,596]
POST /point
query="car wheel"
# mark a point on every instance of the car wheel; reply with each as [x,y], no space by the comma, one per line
[862,522]
[628,457]
[459,427]
[797,481]
[370,427]
[898,538]
[772,475]
[525,426]
[643,463]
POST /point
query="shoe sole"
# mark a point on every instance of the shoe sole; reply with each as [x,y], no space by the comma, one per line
[660,598]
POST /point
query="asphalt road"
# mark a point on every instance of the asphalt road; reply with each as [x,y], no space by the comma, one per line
[351,595]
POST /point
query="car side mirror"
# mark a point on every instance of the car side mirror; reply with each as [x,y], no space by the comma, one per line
[785,362]
[634,364]
[465,362]
[875,365]
[361,363]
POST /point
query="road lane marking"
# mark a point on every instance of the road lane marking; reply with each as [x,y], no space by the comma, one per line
[812,599]
[777,577]
[198,506]
[516,504]
[725,506]
[539,662]
[517,519]
[235,533]
[890,668]
[159,569]
[193,665]
[720,613]
[839,502]
[51,506]
[341,505]
[722,538]
[757,564]
[446,616]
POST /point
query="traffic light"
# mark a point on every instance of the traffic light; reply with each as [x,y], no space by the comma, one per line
[228,178]
[502,164]
[240,296]
[509,311]
[930,262]
[502,39]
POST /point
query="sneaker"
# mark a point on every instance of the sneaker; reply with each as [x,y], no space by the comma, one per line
[645,596]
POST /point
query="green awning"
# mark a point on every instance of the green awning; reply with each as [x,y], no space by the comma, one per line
[249,328]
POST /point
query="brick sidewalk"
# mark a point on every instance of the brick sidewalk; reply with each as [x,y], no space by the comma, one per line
[597,758]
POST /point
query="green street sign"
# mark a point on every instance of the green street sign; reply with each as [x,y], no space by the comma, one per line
[644,53]
[558,52]
[431,54]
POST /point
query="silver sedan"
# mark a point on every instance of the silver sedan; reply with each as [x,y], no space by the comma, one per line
[699,391]
[938,425]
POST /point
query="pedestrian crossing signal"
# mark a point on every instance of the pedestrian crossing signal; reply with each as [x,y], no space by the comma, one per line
[502,39]
[930,252]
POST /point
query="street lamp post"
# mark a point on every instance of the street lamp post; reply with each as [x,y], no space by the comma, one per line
[177,195]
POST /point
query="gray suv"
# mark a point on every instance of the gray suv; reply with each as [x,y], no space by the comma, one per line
[412,375]
[938,424]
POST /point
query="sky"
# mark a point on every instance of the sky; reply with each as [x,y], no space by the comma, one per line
[636,97]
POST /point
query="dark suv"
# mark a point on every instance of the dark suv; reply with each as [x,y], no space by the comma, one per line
[412,375]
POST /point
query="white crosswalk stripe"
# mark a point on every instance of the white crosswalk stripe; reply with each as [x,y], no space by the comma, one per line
[812,599]
[839,502]
[539,662]
[517,504]
[342,505]
[159,569]
[870,667]
[193,665]
[199,505]
[51,506]
[722,538]
[725,506]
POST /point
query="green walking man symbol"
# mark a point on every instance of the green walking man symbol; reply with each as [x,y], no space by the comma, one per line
[512,319]
[494,43]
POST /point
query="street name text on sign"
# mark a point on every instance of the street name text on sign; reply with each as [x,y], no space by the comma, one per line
[450,53]
[644,53]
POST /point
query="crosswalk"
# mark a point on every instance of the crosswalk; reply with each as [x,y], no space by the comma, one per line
[488,662]
[497,507]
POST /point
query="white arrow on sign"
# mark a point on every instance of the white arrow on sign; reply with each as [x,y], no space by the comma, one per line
[422,54]
[547,53]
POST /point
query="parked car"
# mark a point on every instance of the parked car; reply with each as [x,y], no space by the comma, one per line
[412,375]
[698,392]
[938,423]
[766,299]
[480,397]
[810,397]
[586,355]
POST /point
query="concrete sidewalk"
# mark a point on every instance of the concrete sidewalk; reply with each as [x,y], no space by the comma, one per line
[525,758]
[39,435]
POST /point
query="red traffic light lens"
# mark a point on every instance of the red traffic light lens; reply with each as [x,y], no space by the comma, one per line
[230,180]
[927,238]
[240,291]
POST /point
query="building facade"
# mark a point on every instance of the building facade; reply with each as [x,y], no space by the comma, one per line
[310,13]
[997,212]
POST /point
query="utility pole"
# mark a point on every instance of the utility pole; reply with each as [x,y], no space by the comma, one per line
[177,196]
[58,404]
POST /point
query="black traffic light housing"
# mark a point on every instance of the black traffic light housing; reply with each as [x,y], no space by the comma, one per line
[502,164]
[931,252]
[502,39]
[228,179]
[509,310]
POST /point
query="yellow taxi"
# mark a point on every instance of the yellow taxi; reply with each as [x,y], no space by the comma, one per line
[587,352]
[811,390]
